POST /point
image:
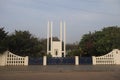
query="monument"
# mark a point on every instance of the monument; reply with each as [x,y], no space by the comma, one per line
[56,48]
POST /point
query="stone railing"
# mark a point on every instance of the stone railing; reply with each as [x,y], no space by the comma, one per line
[111,58]
[8,58]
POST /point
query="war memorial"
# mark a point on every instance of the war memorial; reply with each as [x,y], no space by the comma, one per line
[59,67]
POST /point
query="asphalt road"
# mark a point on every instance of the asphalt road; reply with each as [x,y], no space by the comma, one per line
[60,72]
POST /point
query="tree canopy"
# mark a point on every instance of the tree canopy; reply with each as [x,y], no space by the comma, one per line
[23,43]
[3,36]
[100,42]
[72,49]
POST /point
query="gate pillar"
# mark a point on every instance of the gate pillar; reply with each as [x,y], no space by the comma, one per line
[76,60]
[44,61]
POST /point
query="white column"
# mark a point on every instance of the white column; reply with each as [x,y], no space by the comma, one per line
[51,36]
[61,37]
[64,39]
[61,31]
[76,60]
[44,61]
[48,37]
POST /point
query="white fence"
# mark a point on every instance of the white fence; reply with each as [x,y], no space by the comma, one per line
[111,58]
[8,58]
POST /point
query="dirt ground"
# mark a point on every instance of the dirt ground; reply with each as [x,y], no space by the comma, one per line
[60,76]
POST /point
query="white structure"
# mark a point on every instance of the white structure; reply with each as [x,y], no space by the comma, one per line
[44,60]
[55,47]
[8,58]
[76,60]
[111,58]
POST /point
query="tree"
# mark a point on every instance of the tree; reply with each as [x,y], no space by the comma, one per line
[73,49]
[3,36]
[24,44]
[100,42]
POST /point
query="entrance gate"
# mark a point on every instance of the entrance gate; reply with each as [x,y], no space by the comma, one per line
[61,61]
[85,60]
[35,61]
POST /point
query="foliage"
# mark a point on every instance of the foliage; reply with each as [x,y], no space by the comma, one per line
[23,43]
[100,42]
[73,49]
[3,36]
[49,55]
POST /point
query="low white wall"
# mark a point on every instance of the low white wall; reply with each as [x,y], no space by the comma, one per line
[8,58]
[111,58]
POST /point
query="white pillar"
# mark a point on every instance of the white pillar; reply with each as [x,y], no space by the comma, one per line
[48,37]
[61,31]
[26,61]
[61,37]
[116,56]
[76,60]
[64,39]
[2,59]
[44,61]
[93,60]
[51,36]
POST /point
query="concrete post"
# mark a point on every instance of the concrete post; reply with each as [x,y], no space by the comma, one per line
[2,60]
[44,61]
[76,60]
[93,60]
[26,61]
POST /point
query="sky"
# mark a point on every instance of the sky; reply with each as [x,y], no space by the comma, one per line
[81,16]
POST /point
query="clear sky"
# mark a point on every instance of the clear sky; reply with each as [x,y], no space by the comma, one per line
[81,16]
